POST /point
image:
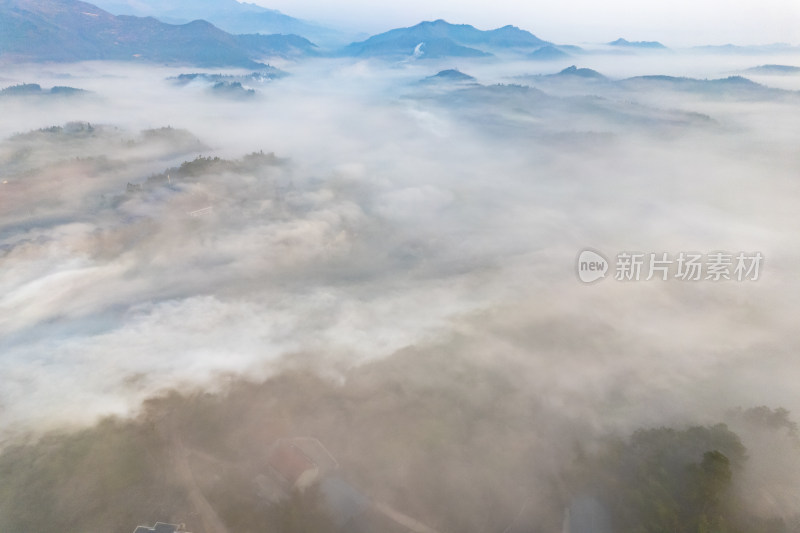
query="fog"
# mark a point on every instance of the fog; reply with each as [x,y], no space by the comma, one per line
[404,234]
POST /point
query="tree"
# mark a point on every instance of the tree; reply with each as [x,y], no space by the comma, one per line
[671,481]
[708,483]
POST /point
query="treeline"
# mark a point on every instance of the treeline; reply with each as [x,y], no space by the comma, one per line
[210,166]
[667,480]
[459,445]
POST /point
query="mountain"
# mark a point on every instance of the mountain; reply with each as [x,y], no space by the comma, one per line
[574,81]
[548,53]
[228,15]
[180,11]
[450,76]
[691,83]
[581,73]
[277,45]
[782,70]
[776,48]
[71,30]
[442,39]
[732,86]
[652,45]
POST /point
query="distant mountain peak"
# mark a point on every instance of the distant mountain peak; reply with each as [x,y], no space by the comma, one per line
[581,72]
[451,74]
[229,15]
[775,69]
[71,30]
[444,39]
[548,53]
[637,44]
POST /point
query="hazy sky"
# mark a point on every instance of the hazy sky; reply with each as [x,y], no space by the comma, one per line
[679,22]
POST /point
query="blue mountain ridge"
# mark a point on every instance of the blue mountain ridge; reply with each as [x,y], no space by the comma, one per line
[72,30]
[440,38]
[228,15]
[652,45]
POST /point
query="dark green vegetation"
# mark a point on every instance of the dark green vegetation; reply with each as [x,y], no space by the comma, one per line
[672,480]
[689,480]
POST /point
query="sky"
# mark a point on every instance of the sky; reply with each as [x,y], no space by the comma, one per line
[677,23]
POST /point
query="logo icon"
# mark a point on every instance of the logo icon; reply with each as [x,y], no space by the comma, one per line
[592,266]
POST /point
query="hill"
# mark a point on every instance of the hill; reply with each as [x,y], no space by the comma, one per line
[581,73]
[450,77]
[736,87]
[548,53]
[782,70]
